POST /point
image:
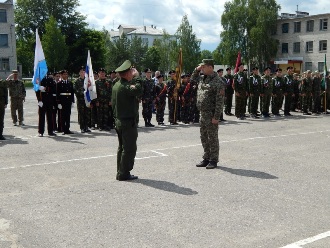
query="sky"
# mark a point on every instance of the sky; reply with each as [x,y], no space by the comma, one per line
[203,15]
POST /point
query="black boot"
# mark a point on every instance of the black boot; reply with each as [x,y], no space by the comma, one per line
[149,123]
[203,163]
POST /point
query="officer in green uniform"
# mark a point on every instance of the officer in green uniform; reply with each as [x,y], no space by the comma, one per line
[210,100]
[255,89]
[3,105]
[125,110]
[17,97]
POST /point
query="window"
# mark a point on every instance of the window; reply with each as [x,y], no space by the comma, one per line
[320,66]
[297,27]
[3,15]
[145,41]
[309,46]
[4,64]
[308,66]
[323,24]
[285,28]
[296,47]
[323,45]
[285,47]
[3,40]
[310,26]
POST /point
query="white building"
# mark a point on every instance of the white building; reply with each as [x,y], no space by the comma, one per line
[147,33]
[8,59]
[303,41]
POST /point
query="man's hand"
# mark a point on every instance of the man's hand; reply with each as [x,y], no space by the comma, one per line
[215,122]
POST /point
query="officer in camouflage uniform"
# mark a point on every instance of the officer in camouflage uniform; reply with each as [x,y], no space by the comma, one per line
[3,105]
[83,110]
[210,100]
[288,90]
[255,89]
[229,92]
[240,87]
[103,101]
[148,98]
[316,91]
[17,97]
[278,86]
[160,102]
[172,102]
[266,92]
[125,110]
[46,104]
[306,92]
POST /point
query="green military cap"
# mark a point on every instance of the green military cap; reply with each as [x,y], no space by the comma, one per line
[207,62]
[124,67]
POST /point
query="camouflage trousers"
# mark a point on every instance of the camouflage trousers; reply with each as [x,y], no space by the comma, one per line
[209,137]
[16,104]
[160,109]
[317,101]
[103,114]
[277,104]
[147,109]
[83,115]
[306,102]
[240,105]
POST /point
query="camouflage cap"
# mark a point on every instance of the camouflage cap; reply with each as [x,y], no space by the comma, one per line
[207,62]
[124,67]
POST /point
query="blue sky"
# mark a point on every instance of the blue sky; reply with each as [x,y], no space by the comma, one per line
[204,16]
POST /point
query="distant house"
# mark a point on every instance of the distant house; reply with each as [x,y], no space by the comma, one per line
[148,34]
[8,58]
[303,41]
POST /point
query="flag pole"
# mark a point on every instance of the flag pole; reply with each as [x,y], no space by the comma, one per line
[178,83]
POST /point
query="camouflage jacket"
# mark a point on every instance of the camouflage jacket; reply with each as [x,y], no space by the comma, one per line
[209,98]
[103,90]
[306,85]
[316,86]
[16,88]
[78,88]
[148,89]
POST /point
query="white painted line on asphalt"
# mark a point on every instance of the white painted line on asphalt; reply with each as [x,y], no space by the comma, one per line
[161,149]
[299,243]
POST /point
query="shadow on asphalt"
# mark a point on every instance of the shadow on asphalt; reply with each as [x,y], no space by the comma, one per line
[10,140]
[248,173]
[166,186]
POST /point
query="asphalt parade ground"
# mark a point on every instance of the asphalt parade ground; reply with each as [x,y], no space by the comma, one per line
[271,188]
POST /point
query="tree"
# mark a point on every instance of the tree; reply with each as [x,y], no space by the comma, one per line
[53,43]
[138,51]
[187,40]
[119,51]
[152,59]
[206,54]
[165,46]
[25,54]
[247,28]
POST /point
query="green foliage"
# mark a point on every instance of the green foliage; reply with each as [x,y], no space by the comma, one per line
[55,49]
[206,54]
[25,54]
[152,59]
[247,28]
[119,51]
[187,40]
[138,51]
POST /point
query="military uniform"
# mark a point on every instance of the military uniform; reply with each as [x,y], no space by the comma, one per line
[316,91]
[306,92]
[83,111]
[65,99]
[255,89]
[288,93]
[17,95]
[46,104]
[185,93]
[194,112]
[295,99]
[103,101]
[229,91]
[148,96]
[125,110]
[173,101]
[240,86]
[210,103]
[278,86]
[3,105]
[160,102]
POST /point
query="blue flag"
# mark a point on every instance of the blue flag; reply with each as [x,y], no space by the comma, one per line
[89,82]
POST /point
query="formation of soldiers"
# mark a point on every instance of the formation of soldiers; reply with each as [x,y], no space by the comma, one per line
[259,95]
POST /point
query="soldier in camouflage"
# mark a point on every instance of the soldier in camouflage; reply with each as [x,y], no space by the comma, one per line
[316,91]
[306,92]
[17,97]
[148,98]
[278,86]
[288,90]
[103,101]
[173,102]
[210,100]
[83,110]
[3,105]
[160,101]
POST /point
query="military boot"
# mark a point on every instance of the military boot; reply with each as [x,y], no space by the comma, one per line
[211,165]
[203,163]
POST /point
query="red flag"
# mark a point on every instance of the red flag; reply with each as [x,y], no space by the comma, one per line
[238,61]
